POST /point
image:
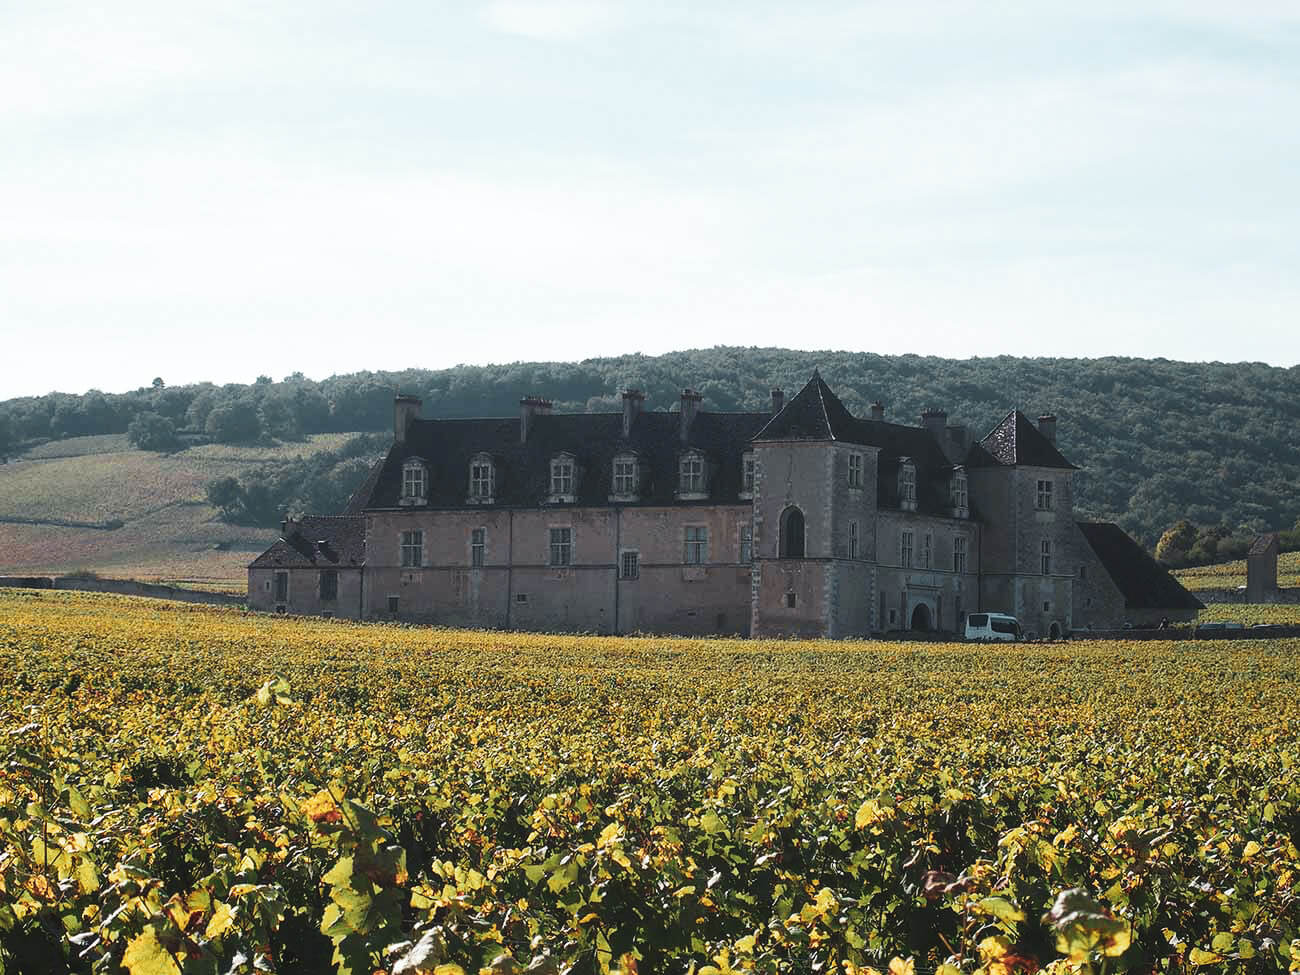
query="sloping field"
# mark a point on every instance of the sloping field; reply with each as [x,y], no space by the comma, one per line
[169,532]
[1230,575]
[185,786]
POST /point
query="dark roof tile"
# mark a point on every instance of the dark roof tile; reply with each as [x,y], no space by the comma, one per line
[1016,441]
[300,547]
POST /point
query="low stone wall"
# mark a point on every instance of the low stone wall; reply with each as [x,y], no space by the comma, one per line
[124,587]
[1290,596]
[1274,632]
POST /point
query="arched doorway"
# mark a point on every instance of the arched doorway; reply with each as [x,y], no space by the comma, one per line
[1054,631]
[792,533]
[921,618]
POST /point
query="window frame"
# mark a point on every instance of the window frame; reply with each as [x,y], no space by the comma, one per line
[629,564]
[559,479]
[695,545]
[560,548]
[411,546]
[1044,500]
[959,554]
[478,547]
[414,469]
[927,550]
[482,490]
[693,484]
[632,480]
[1045,557]
[959,493]
[853,539]
[333,589]
[748,474]
[745,542]
[907,484]
[906,547]
[856,466]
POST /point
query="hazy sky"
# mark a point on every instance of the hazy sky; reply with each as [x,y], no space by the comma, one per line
[212,190]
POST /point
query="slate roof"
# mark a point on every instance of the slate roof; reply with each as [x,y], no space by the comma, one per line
[1016,441]
[816,414]
[300,548]
[522,470]
[1141,580]
[1262,544]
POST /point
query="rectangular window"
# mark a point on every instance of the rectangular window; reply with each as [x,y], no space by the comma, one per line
[853,539]
[692,475]
[747,542]
[855,470]
[747,474]
[412,550]
[790,600]
[1046,557]
[630,565]
[562,477]
[959,553]
[413,482]
[561,546]
[329,585]
[697,545]
[477,547]
[960,491]
[625,476]
[392,605]
[480,480]
[927,550]
[1044,496]
[281,587]
[905,549]
[907,486]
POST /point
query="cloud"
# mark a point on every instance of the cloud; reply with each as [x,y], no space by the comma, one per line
[553,20]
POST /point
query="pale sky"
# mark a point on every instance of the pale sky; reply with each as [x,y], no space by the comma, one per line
[213,190]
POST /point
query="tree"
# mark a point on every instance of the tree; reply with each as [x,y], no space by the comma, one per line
[235,422]
[152,431]
[224,494]
[1174,544]
[158,382]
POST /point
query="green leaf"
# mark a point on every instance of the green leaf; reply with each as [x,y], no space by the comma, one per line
[146,956]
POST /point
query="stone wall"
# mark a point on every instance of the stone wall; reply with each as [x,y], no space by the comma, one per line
[123,587]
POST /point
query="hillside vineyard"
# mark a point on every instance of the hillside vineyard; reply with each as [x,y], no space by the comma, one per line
[803,521]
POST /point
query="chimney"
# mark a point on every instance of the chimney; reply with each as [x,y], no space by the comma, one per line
[936,422]
[405,409]
[778,401]
[877,410]
[529,407]
[690,406]
[633,400]
[957,444]
[1047,426]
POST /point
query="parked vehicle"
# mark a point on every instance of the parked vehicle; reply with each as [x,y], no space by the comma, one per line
[992,627]
[1218,626]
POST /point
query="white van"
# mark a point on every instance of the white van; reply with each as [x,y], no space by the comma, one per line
[992,627]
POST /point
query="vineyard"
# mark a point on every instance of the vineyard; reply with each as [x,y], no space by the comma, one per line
[194,790]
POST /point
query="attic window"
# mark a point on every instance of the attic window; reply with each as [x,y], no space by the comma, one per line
[482,480]
[626,478]
[691,476]
[907,484]
[415,482]
[563,478]
[960,494]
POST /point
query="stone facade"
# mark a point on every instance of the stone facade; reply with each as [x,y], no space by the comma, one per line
[801,522]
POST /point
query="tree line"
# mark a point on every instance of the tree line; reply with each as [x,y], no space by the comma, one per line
[1158,441]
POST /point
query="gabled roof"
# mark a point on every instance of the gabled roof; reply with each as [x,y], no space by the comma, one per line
[1141,580]
[301,546]
[522,470]
[1016,441]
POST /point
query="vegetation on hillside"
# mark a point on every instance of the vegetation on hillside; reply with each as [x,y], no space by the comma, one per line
[197,790]
[1230,575]
[1159,441]
[1186,544]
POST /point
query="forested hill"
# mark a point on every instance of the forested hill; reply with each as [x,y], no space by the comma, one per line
[1159,441]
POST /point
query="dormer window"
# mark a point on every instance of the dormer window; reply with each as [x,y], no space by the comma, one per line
[747,475]
[691,476]
[907,485]
[959,494]
[564,478]
[482,480]
[415,482]
[626,481]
